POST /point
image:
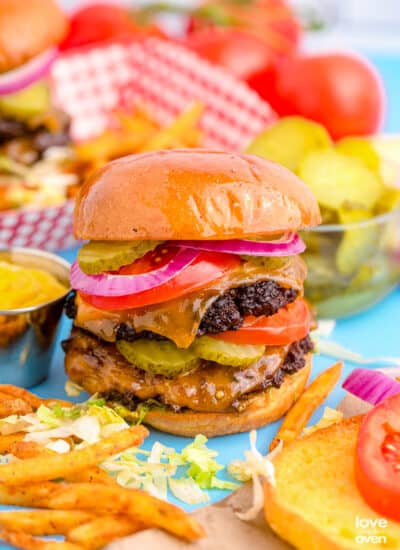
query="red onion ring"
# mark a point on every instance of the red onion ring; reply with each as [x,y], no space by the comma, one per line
[107,284]
[21,77]
[293,244]
[370,385]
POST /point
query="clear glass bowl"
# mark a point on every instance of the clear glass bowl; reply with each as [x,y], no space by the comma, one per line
[353,266]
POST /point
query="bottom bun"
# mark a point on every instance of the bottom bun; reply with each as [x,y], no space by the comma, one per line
[264,408]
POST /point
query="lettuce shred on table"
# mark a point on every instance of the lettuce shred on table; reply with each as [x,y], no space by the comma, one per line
[185,474]
[327,347]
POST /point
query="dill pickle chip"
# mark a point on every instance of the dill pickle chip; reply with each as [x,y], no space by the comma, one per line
[26,103]
[158,357]
[98,256]
[388,149]
[224,353]
[289,140]
[362,149]
[358,244]
[337,179]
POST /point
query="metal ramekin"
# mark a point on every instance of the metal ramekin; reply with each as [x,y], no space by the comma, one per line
[28,335]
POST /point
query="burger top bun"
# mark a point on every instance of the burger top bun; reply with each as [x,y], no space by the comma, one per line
[192,194]
[28,28]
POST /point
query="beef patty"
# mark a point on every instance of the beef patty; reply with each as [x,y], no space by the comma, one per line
[226,312]
[99,368]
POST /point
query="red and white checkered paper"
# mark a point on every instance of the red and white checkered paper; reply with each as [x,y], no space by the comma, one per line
[162,75]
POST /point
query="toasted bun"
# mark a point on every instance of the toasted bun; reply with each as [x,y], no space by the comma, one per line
[265,408]
[320,468]
[192,194]
[27,28]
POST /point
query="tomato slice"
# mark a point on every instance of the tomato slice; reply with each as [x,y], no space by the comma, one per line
[208,267]
[289,324]
[377,462]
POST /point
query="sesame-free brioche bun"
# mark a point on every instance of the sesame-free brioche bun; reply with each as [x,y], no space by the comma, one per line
[266,407]
[192,194]
[28,28]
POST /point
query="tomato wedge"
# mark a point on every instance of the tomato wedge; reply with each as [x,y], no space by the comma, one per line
[377,461]
[208,267]
[289,324]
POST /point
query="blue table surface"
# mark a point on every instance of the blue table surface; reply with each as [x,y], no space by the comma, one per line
[373,333]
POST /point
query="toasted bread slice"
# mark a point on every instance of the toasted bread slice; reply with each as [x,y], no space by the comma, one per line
[316,504]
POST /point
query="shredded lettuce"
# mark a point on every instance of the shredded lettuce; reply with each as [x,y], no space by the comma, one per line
[59,446]
[333,349]
[187,490]
[253,467]
[72,389]
[47,416]
[329,417]
[186,473]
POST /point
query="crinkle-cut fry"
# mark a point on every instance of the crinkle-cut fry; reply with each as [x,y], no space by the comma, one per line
[99,532]
[44,522]
[104,500]
[7,442]
[309,401]
[27,542]
[36,469]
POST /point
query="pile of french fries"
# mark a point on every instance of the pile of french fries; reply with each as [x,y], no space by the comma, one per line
[138,132]
[70,494]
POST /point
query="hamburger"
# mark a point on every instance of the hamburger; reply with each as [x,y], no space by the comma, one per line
[30,125]
[188,304]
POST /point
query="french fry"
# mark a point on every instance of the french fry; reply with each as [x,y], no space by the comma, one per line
[27,542]
[27,449]
[13,405]
[44,522]
[20,393]
[36,469]
[93,474]
[7,442]
[99,532]
[309,401]
[176,130]
[135,504]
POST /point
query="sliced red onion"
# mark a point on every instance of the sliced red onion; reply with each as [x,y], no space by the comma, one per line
[30,72]
[370,385]
[123,285]
[288,247]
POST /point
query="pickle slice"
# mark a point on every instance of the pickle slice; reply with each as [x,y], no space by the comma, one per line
[337,179]
[289,140]
[358,244]
[224,353]
[26,103]
[99,256]
[157,357]
[362,149]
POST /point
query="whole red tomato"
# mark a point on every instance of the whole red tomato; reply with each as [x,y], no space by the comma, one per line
[341,91]
[245,36]
[102,22]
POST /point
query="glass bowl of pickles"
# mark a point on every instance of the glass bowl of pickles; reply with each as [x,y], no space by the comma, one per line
[353,257]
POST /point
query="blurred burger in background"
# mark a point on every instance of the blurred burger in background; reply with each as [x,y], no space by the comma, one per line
[34,134]
[189,303]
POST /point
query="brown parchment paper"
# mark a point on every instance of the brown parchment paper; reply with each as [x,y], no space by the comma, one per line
[225,531]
